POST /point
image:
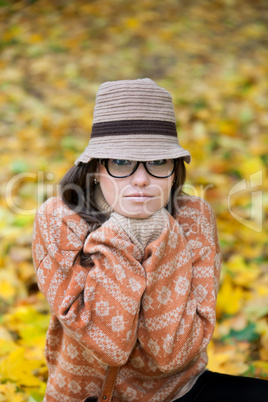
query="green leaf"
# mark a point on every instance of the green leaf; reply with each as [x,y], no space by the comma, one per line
[19,166]
[70,143]
[34,399]
[23,220]
[247,334]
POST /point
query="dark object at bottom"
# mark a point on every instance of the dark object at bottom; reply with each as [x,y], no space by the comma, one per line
[91,399]
[218,387]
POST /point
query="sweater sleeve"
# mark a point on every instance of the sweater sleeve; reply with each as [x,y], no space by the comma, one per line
[178,307]
[97,306]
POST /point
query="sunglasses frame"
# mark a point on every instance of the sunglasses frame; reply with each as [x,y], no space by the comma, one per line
[104,162]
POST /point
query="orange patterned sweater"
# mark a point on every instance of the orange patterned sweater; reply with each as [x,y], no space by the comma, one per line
[154,316]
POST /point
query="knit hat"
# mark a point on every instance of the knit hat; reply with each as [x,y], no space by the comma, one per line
[134,120]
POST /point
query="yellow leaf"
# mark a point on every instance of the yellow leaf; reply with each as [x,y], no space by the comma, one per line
[228,359]
[26,316]
[8,393]
[263,354]
[261,368]
[15,367]
[10,285]
[227,304]
[262,290]
[228,128]
[261,365]
[26,270]
[7,346]
[264,347]
[35,38]
[262,327]
[235,368]
[218,356]
[7,291]
[261,287]
[251,165]
[132,23]
[244,275]
[4,334]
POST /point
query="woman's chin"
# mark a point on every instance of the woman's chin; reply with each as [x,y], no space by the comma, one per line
[138,212]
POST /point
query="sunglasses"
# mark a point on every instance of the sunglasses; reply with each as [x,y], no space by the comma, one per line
[120,168]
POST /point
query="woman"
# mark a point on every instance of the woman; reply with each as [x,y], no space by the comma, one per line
[130,265]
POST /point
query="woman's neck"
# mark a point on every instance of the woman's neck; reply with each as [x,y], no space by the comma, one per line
[101,202]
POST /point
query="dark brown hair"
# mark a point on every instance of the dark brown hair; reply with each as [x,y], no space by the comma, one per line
[77,188]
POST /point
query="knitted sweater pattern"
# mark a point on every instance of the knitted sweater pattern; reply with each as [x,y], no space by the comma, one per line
[154,315]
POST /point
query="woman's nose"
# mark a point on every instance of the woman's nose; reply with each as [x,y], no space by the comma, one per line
[140,177]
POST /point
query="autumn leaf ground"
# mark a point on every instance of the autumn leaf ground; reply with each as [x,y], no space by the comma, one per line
[212,56]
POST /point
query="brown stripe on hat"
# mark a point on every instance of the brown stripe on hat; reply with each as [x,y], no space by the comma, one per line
[128,127]
[133,119]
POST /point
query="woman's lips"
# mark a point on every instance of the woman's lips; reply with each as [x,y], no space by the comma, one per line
[139,197]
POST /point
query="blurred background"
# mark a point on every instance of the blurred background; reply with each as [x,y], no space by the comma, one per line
[213,58]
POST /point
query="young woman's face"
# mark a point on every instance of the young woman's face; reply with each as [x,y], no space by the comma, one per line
[137,196]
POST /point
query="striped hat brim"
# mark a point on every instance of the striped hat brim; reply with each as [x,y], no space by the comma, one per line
[137,147]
